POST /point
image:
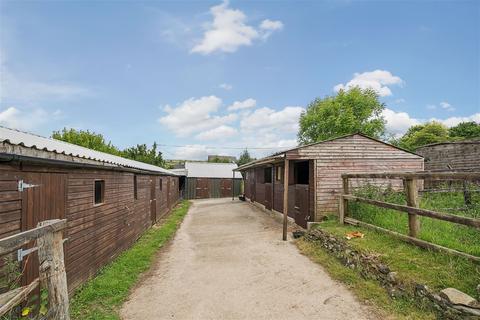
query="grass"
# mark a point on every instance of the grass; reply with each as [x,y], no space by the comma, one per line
[447,234]
[101,297]
[368,291]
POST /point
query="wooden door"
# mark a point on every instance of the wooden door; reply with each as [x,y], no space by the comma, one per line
[43,198]
[301,205]
[153,200]
[268,196]
[202,189]
[226,188]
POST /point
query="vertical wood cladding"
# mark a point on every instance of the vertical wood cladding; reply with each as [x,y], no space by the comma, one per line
[96,233]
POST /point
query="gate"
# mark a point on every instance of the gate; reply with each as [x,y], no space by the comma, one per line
[201,189]
[301,205]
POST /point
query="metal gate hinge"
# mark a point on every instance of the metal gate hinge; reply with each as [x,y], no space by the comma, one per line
[21,253]
[22,185]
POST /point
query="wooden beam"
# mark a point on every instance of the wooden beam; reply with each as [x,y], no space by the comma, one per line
[285,199]
[12,298]
[15,241]
[418,175]
[412,201]
[472,222]
[415,241]
[52,272]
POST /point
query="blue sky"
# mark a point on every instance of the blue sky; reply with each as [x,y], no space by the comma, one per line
[200,76]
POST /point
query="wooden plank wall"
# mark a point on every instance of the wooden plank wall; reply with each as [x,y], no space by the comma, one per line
[460,156]
[96,233]
[351,154]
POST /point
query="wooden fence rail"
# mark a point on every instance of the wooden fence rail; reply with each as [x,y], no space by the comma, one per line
[412,208]
[48,235]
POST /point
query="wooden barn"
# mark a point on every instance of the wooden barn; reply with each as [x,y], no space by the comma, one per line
[210,180]
[108,201]
[448,156]
[314,174]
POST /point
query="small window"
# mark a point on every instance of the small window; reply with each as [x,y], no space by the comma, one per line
[135,190]
[161,183]
[279,173]
[99,191]
[267,173]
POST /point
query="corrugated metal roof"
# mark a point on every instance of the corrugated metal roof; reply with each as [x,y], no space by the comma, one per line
[29,140]
[211,170]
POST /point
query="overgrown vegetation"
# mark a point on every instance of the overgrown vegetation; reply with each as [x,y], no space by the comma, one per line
[96,141]
[367,290]
[447,234]
[102,297]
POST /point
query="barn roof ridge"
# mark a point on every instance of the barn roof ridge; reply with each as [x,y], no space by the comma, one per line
[281,153]
[35,141]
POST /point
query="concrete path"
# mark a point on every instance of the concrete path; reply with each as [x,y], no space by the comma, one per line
[227,261]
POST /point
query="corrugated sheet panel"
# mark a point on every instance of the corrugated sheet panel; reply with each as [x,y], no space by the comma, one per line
[211,170]
[16,137]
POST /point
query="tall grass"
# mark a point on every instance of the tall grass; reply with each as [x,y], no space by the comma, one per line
[447,234]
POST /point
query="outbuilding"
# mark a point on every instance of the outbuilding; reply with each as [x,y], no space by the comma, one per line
[314,172]
[210,180]
[108,201]
[457,156]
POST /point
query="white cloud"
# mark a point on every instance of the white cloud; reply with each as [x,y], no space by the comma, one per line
[218,133]
[226,86]
[453,121]
[192,152]
[194,115]
[26,119]
[378,80]
[24,89]
[240,105]
[398,122]
[269,26]
[431,107]
[229,31]
[267,119]
[446,106]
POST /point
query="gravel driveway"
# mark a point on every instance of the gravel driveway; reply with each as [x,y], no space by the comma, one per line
[228,261]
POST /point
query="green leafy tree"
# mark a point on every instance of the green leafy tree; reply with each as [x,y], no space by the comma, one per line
[423,134]
[354,110]
[87,139]
[244,158]
[144,154]
[465,130]
[95,141]
[219,160]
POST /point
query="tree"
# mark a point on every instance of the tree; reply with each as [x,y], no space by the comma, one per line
[465,130]
[97,142]
[218,159]
[143,154]
[423,134]
[355,110]
[244,158]
[86,139]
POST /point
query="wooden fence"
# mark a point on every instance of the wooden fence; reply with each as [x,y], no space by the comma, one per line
[49,238]
[411,183]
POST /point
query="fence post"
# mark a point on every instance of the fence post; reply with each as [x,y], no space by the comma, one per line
[343,204]
[52,273]
[467,198]
[412,201]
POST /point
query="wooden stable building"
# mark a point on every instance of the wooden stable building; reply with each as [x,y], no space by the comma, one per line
[205,180]
[452,156]
[108,201]
[313,174]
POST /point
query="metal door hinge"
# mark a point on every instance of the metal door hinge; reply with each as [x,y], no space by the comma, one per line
[21,253]
[22,185]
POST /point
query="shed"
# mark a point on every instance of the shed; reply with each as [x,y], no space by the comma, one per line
[314,174]
[210,180]
[108,201]
[458,155]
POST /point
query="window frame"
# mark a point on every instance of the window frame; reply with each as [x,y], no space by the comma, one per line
[102,192]
[135,187]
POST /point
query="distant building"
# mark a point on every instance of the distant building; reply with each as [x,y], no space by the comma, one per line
[209,180]
[218,158]
[457,156]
